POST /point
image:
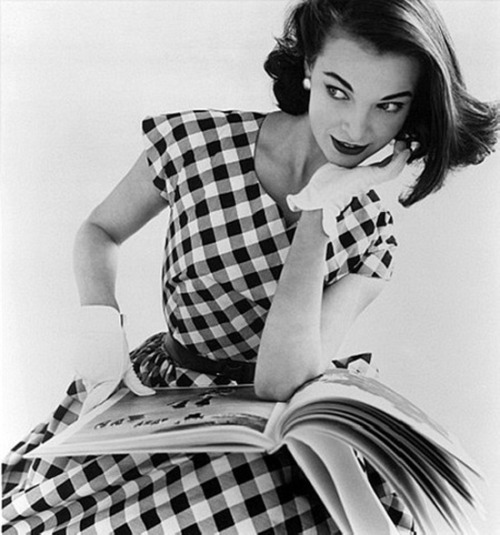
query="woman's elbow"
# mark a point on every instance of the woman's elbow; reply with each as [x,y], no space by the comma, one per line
[271,391]
[278,386]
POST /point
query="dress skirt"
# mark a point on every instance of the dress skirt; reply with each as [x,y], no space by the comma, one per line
[234,493]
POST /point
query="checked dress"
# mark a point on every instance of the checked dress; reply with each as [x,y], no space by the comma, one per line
[226,244]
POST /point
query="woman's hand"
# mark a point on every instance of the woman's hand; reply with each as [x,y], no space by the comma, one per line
[308,322]
[331,187]
[102,356]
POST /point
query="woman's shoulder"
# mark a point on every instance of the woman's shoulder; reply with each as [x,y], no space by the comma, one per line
[180,143]
[184,124]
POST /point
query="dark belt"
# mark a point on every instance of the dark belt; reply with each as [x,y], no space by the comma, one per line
[241,372]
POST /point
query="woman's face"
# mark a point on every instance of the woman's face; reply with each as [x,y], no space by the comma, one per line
[359,99]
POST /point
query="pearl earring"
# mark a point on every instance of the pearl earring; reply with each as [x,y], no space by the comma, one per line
[306,83]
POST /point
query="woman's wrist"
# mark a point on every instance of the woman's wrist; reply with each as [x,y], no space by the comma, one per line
[311,222]
[101,318]
[99,300]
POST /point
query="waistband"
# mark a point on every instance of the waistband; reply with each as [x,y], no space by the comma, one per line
[241,372]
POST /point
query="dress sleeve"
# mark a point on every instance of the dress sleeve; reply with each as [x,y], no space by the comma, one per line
[162,153]
[378,260]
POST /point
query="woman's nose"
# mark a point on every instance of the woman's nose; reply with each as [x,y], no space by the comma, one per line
[356,125]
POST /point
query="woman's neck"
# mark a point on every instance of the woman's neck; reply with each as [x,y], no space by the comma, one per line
[286,157]
[288,143]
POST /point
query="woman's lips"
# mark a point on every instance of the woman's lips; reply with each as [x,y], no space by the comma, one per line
[347,148]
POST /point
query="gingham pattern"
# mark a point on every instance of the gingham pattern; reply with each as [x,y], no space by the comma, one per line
[232,494]
[226,245]
[227,239]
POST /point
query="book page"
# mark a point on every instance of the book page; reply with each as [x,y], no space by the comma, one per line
[398,466]
[392,470]
[176,418]
[362,507]
[340,385]
[317,473]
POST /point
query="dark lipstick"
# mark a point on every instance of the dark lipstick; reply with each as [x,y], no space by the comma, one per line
[347,148]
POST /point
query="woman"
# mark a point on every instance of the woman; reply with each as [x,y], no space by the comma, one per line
[276,242]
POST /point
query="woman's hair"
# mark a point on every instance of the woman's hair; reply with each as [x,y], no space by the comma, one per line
[451,127]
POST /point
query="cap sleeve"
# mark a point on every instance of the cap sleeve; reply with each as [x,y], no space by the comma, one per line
[162,153]
[378,260]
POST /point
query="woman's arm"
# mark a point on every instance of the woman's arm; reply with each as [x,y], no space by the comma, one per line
[133,203]
[307,323]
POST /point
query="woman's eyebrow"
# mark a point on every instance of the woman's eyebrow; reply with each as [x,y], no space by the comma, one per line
[398,95]
[348,86]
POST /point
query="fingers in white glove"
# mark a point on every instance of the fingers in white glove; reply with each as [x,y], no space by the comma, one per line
[97,394]
[134,384]
[399,146]
[391,167]
[102,356]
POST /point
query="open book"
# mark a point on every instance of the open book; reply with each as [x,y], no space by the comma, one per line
[326,425]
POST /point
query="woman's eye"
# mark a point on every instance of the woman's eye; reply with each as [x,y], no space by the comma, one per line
[391,107]
[336,93]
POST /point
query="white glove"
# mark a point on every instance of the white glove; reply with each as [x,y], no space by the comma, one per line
[332,187]
[102,356]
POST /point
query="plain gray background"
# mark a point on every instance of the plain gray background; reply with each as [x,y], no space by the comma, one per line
[77,77]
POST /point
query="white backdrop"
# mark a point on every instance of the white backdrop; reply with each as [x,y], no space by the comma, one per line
[77,77]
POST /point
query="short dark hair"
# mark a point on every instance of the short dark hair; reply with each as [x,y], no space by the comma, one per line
[452,128]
